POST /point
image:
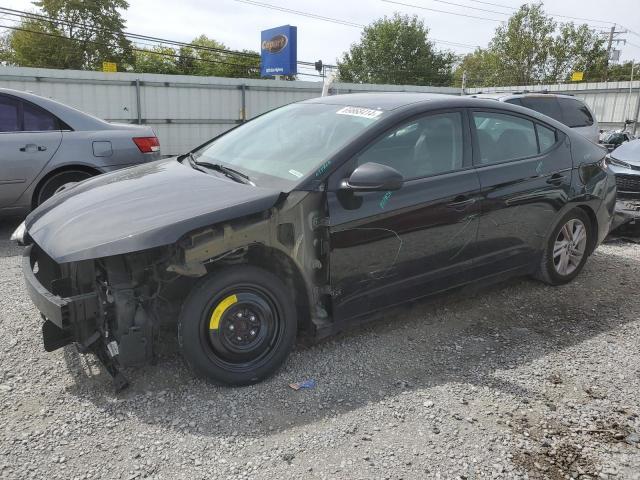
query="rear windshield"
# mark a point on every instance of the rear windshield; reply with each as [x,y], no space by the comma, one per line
[569,111]
[548,106]
[575,113]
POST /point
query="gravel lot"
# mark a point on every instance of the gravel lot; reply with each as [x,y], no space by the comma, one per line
[516,380]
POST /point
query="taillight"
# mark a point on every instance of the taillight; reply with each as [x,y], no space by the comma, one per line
[147,144]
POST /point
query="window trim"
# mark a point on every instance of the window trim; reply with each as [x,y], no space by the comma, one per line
[62,126]
[476,146]
[467,161]
[555,132]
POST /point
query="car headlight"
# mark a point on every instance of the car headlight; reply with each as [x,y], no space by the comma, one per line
[18,234]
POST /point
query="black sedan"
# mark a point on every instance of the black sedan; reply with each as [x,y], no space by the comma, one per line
[310,217]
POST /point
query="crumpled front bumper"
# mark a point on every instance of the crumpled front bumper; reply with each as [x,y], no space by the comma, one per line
[627,211]
[63,314]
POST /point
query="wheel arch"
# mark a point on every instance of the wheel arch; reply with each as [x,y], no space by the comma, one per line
[286,269]
[594,226]
[65,168]
[283,266]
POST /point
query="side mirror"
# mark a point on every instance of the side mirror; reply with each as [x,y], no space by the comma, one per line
[372,177]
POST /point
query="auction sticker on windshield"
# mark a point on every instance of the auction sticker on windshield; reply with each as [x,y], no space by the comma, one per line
[360,112]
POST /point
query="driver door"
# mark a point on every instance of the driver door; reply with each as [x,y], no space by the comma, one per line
[387,247]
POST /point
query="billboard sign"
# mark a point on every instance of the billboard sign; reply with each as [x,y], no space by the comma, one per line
[279,51]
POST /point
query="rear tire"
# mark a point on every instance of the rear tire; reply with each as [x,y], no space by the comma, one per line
[56,182]
[567,249]
[237,326]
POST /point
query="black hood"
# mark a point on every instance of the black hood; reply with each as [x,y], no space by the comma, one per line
[139,208]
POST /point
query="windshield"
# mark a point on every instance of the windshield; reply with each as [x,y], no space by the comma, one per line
[290,142]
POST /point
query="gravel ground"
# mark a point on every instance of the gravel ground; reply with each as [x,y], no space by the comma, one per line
[518,380]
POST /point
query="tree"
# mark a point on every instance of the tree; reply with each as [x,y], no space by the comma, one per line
[482,68]
[622,72]
[523,45]
[207,57]
[6,54]
[80,35]
[533,48]
[576,48]
[396,50]
[157,59]
[204,56]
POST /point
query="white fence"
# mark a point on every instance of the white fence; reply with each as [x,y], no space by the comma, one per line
[188,110]
[611,102]
[184,110]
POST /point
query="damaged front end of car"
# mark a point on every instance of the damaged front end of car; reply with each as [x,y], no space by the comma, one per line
[106,306]
[114,306]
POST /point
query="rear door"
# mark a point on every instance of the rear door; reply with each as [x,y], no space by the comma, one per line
[29,137]
[389,247]
[525,171]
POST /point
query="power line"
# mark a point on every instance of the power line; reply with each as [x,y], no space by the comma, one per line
[246,67]
[493,4]
[132,48]
[472,8]
[442,11]
[630,31]
[144,39]
[337,21]
[301,13]
[516,8]
[35,16]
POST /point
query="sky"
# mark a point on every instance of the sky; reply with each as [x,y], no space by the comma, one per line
[238,24]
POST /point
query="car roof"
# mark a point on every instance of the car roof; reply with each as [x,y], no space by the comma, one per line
[507,95]
[385,101]
[398,101]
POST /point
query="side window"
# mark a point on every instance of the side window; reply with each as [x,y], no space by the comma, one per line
[546,137]
[504,137]
[427,146]
[9,115]
[37,120]
[548,106]
[575,113]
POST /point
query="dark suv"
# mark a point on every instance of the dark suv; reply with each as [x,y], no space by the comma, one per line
[566,109]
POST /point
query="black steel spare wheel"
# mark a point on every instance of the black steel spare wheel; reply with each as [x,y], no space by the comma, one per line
[237,326]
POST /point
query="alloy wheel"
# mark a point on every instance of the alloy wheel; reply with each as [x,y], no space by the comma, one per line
[570,247]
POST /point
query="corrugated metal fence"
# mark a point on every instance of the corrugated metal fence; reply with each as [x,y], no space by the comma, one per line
[188,110]
[611,102]
[184,110]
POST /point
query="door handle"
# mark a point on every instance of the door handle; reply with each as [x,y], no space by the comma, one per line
[556,179]
[461,202]
[32,147]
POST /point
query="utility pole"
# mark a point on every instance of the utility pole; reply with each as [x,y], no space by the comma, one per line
[464,82]
[626,103]
[611,39]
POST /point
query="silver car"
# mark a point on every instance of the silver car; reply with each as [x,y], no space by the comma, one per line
[564,108]
[45,145]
